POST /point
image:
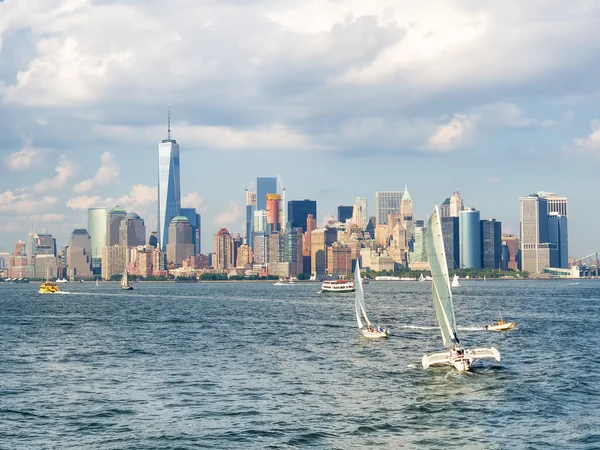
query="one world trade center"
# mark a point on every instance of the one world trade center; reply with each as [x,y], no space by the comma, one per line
[169,187]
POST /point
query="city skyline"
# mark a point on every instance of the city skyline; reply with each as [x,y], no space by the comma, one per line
[334,121]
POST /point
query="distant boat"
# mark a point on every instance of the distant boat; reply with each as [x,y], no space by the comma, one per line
[337,286]
[97,282]
[421,277]
[125,284]
[283,282]
[456,356]
[367,330]
[455,282]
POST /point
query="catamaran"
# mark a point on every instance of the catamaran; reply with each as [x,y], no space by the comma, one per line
[458,357]
[125,284]
[455,282]
[367,330]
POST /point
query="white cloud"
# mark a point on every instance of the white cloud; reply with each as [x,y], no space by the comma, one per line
[504,114]
[452,135]
[107,173]
[24,203]
[53,217]
[592,141]
[65,169]
[24,159]
[192,200]
[229,217]
[85,202]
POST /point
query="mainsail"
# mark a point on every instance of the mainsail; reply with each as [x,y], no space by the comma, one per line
[359,299]
[441,292]
[124,282]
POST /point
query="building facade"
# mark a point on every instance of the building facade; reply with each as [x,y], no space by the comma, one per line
[194,218]
[169,187]
[299,210]
[113,225]
[223,258]
[387,202]
[469,238]
[114,261]
[180,245]
[451,236]
[535,246]
[132,231]
[264,186]
[79,254]
[97,227]
[491,244]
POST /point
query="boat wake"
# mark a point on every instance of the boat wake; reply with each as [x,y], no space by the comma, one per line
[63,292]
[471,328]
[417,327]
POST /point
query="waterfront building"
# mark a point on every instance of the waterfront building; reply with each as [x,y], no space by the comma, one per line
[79,254]
[360,216]
[194,218]
[223,258]
[451,237]
[513,256]
[97,227]
[46,266]
[274,212]
[558,237]
[169,186]
[250,209]
[387,202]
[18,266]
[261,244]
[294,249]
[298,212]
[113,224]
[469,238]
[535,245]
[419,253]
[320,239]
[344,213]
[264,186]
[114,261]
[45,243]
[132,231]
[244,256]
[19,249]
[491,244]
[339,260]
[180,245]
[456,204]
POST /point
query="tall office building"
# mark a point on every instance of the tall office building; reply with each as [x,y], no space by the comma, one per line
[46,241]
[132,231]
[180,245]
[360,217]
[469,238]
[114,261]
[250,208]
[556,203]
[456,204]
[264,186]
[406,206]
[311,224]
[387,202]
[194,219]
[223,250]
[491,244]
[298,212]
[79,254]
[513,256]
[320,240]
[451,237]
[558,236]
[169,186]
[445,208]
[535,245]
[274,212]
[31,239]
[344,213]
[113,225]
[97,227]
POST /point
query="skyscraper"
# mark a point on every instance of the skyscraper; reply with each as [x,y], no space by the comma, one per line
[558,237]
[274,211]
[169,194]
[535,246]
[97,227]
[132,231]
[456,204]
[223,250]
[298,212]
[359,213]
[112,225]
[451,236]
[386,202]
[491,244]
[79,254]
[344,213]
[470,240]
[194,219]
[180,244]
[31,239]
[264,186]
[250,208]
[513,259]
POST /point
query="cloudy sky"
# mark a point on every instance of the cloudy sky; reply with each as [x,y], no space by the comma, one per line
[341,98]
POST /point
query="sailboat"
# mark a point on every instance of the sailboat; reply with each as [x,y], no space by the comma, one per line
[455,282]
[125,284]
[367,330]
[97,282]
[421,277]
[456,356]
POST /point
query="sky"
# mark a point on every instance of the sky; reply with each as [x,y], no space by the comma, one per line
[340,98]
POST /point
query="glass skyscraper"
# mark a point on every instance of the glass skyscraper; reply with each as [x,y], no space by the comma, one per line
[470,240]
[97,227]
[386,202]
[194,219]
[264,186]
[491,244]
[169,187]
[298,211]
[344,213]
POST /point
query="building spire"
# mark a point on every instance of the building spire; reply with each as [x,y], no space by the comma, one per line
[169,122]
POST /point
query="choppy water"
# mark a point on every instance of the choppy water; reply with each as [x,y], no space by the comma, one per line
[252,365]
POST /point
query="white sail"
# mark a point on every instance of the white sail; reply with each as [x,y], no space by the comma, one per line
[124,281]
[441,291]
[359,298]
[455,282]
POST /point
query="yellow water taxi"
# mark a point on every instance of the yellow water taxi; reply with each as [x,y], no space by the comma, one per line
[48,287]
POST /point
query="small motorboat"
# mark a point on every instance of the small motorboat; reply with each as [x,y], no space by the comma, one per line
[501,325]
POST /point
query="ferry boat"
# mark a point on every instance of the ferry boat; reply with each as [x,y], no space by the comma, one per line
[48,287]
[337,286]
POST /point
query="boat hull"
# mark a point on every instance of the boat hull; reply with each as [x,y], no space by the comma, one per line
[463,362]
[127,288]
[502,327]
[375,334]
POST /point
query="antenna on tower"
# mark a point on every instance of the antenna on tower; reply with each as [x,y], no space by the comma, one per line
[169,122]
